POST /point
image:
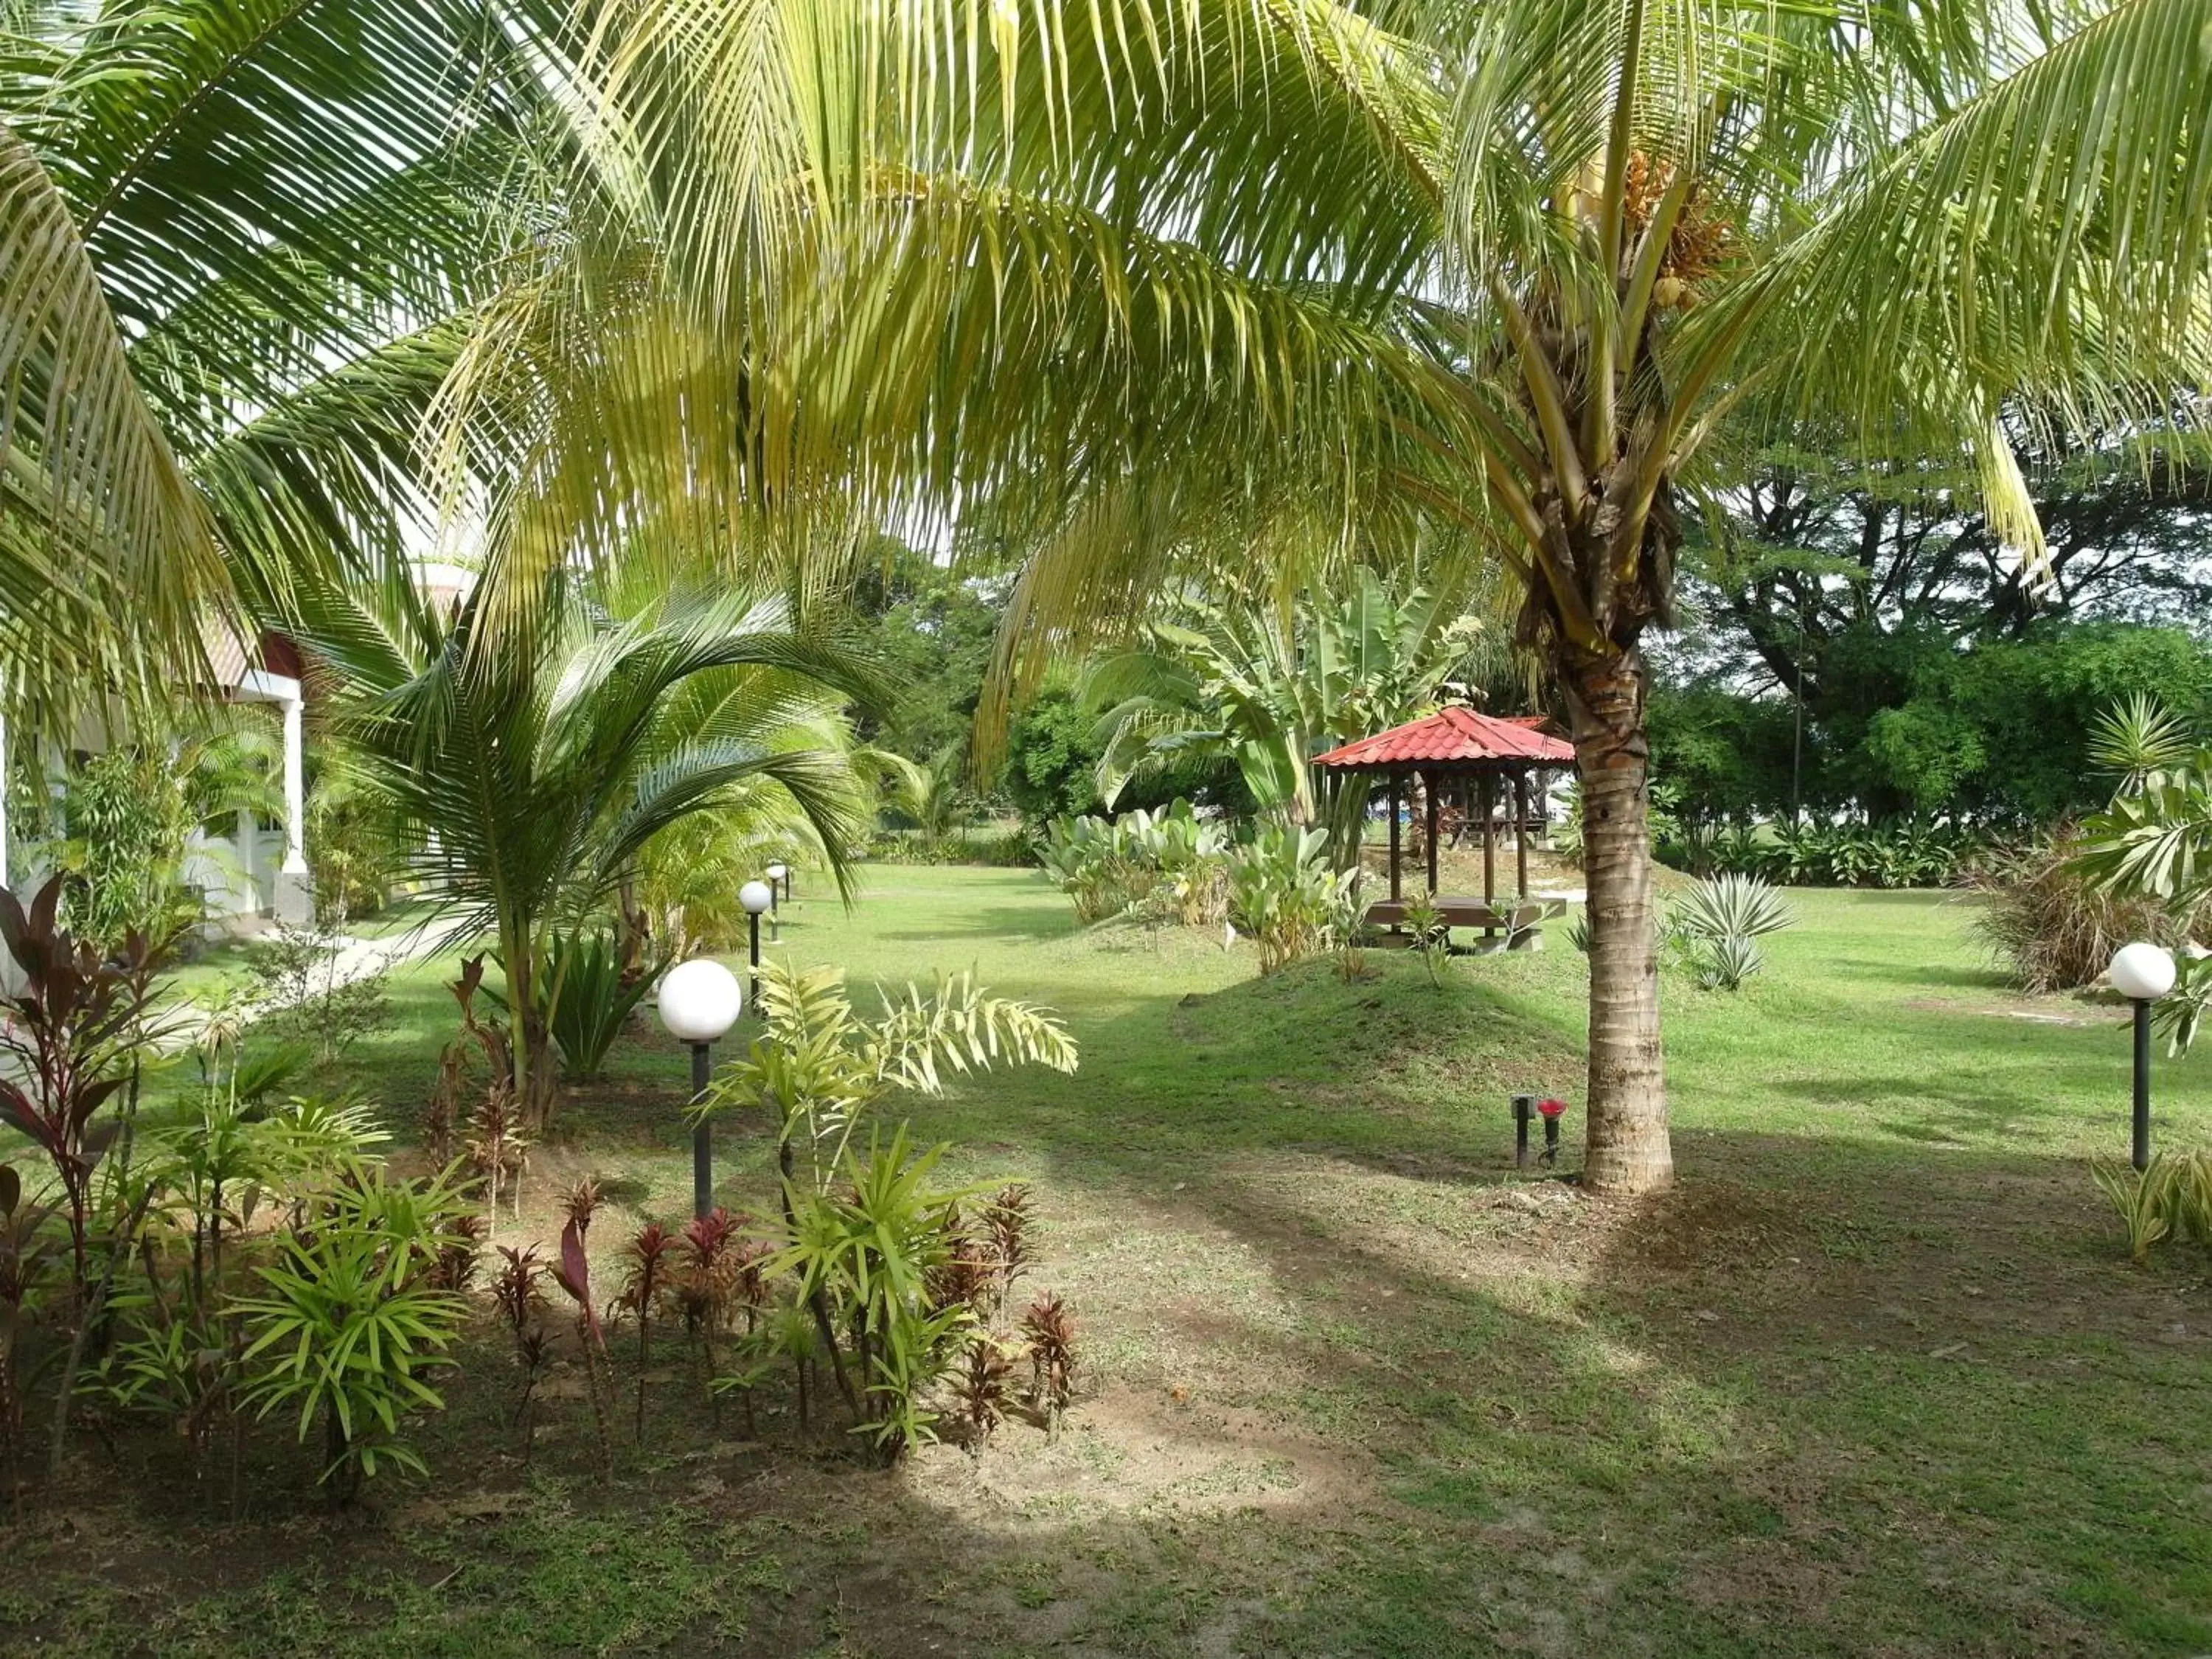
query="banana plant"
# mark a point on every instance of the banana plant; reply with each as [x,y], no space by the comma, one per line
[1244,680]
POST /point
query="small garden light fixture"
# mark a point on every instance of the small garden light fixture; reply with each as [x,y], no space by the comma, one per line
[2143,974]
[781,875]
[757,896]
[699,1000]
[1552,1110]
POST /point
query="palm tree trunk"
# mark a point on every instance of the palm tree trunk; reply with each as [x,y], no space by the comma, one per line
[535,1078]
[1628,1151]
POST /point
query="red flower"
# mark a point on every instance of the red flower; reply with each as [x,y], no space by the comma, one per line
[1552,1107]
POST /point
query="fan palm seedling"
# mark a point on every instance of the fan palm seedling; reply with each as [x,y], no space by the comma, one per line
[530,765]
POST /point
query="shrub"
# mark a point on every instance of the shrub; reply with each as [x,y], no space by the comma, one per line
[2052,926]
[2169,1200]
[1283,894]
[1050,1333]
[350,1322]
[1171,859]
[871,1250]
[1894,853]
[596,996]
[308,996]
[1432,936]
[74,1037]
[129,816]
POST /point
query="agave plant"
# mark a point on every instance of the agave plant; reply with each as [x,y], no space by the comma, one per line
[1716,925]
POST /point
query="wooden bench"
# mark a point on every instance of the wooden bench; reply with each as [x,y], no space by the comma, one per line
[1518,920]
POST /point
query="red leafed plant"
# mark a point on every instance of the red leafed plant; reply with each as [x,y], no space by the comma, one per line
[515,1288]
[703,1281]
[24,1256]
[650,1248]
[72,1031]
[1050,1332]
[980,1387]
[967,1274]
[572,1273]
[1007,1216]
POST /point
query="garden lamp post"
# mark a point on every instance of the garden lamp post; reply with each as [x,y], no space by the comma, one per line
[2143,974]
[757,896]
[699,1000]
[778,875]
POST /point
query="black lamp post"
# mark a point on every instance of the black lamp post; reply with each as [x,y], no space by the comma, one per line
[757,896]
[777,875]
[699,1001]
[1524,1107]
[2143,974]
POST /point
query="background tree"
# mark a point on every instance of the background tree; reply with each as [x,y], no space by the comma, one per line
[1268,687]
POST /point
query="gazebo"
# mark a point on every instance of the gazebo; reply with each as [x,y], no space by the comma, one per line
[1481,752]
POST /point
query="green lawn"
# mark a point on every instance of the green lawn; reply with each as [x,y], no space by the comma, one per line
[1875,1378]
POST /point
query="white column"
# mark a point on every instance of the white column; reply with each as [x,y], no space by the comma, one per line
[295,811]
[247,834]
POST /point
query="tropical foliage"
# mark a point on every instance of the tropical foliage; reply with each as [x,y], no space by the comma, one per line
[1269,687]
[1463,282]
[1112,866]
[867,1237]
[1892,852]
[1715,926]
[1287,896]
[236,242]
[531,766]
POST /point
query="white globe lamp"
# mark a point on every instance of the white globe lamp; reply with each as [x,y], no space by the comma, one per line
[2142,973]
[699,1000]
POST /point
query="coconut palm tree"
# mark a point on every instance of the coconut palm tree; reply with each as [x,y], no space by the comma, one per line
[236,241]
[1123,296]
[531,768]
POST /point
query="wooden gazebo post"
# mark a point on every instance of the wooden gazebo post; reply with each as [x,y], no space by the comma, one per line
[1489,840]
[1395,803]
[1463,750]
[1429,794]
[1521,833]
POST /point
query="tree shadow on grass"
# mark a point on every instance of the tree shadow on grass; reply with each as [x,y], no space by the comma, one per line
[1352,1394]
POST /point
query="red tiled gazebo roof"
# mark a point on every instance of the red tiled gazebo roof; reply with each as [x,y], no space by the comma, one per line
[1452,737]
